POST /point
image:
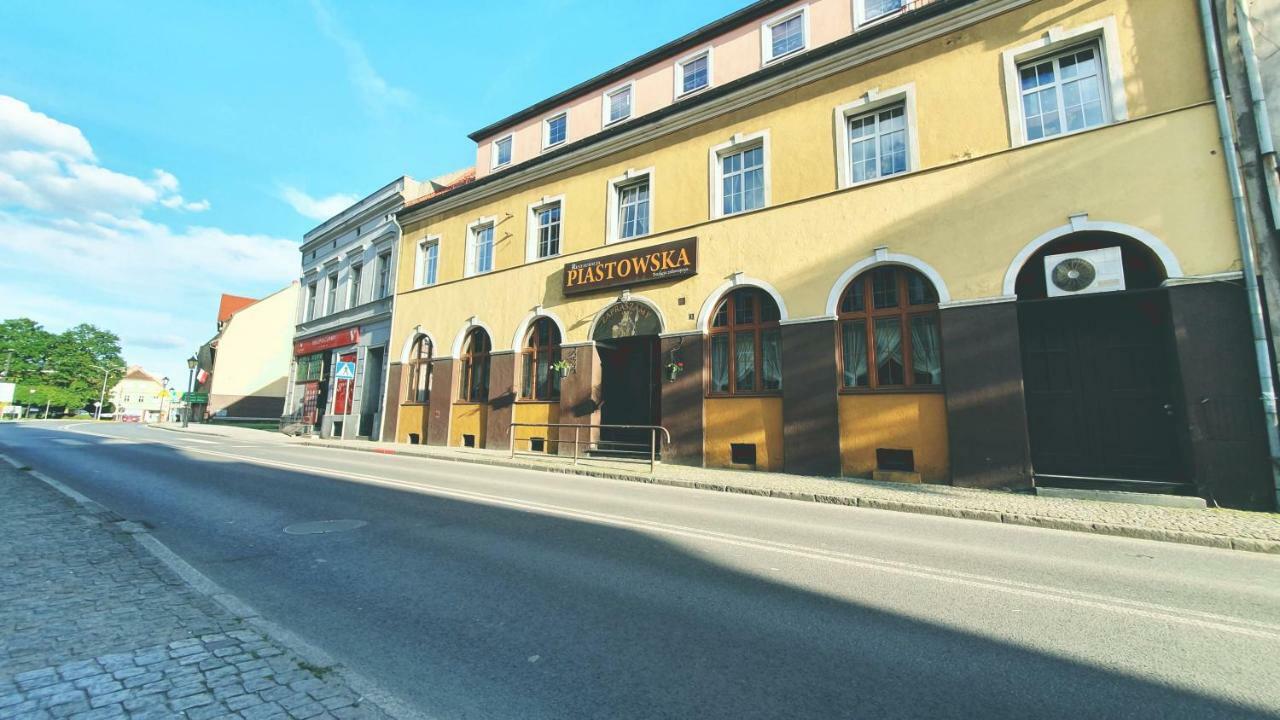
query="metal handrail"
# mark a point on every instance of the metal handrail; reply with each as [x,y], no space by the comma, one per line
[578,442]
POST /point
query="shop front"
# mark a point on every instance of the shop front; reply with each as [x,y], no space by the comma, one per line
[339,380]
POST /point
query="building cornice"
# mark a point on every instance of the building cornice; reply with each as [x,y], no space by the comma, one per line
[872,43]
[381,200]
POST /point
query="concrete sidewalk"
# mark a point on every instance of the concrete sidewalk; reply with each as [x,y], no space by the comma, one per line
[1211,527]
[97,623]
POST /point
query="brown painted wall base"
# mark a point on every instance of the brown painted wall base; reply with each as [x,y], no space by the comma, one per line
[682,409]
[579,395]
[502,399]
[444,388]
[390,418]
[810,406]
[986,409]
[1225,424]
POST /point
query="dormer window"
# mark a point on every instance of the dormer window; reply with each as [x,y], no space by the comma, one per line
[785,35]
[869,11]
[555,130]
[502,152]
[693,73]
[617,104]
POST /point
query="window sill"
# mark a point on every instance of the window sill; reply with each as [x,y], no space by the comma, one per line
[553,146]
[1061,135]
[611,241]
[619,121]
[470,402]
[903,390]
[785,55]
[875,180]
[691,93]
[527,401]
[879,19]
[745,395]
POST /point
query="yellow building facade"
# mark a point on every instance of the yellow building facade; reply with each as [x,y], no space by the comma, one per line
[871,220]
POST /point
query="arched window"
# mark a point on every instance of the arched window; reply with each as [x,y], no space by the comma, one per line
[420,371]
[746,344]
[889,335]
[475,366]
[541,351]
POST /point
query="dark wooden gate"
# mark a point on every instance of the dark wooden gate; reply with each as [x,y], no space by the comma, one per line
[630,387]
[1098,374]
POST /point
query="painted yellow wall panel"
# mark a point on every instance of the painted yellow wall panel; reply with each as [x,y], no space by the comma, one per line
[536,412]
[411,421]
[752,420]
[916,422]
[467,420]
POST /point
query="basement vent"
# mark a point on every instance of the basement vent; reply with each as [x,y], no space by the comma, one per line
[415,439]
[469,441]
[742,454]
[895,460]
[538,444]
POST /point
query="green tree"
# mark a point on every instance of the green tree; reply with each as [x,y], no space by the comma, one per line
[24,348]
[65,369]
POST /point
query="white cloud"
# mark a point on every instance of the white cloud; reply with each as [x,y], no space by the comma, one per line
[315,208]
[377,94]
[21,127]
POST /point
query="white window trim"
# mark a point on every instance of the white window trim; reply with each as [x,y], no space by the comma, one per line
[860,15]
[872,101]
[546,130]
[419,277]
[1105,33]
[469,270]
[611,204]
[353,298]
[709,53]
[737,143]
[766,34]
[629,86]
[493,151]
[531,236]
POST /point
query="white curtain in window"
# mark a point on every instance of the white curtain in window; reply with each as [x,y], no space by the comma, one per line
[720,363]
[888,344]
[925,344]
[854,336]
[771,360]
[744,361]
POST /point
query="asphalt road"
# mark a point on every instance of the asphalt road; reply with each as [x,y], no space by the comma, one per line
[479,592]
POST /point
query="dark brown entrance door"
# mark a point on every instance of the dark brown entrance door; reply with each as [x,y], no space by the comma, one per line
[1098,375]
[629,388]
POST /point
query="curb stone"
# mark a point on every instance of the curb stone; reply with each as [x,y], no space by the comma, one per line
[1183,537]
[368,691]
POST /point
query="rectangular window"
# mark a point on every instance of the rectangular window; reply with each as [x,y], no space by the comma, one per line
[311,301]
[694,73]
[482,249]
[617,104]
[556,130]
[502,152]
[1062,93]
[633,209]
[878,144]
[785,35]
[742,180]
[384,275]
[430,254]
[548,230]
[872,10]
[357,274]
[331,294]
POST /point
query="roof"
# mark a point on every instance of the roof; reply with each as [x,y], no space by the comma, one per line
[232,304]
[751,12]
[446,184]
[135,372]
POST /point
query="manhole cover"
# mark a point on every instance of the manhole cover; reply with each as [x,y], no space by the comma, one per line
[321,527]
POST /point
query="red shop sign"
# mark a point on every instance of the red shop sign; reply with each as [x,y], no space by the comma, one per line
[341,338]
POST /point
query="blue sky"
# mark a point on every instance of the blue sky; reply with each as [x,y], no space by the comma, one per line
[156,154]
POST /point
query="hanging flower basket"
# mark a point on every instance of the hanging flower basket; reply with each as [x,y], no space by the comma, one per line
[562,367]
[674,370]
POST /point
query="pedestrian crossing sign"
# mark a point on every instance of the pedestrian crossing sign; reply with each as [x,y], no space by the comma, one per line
[345,371]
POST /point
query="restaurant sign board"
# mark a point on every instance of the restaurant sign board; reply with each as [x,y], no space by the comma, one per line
[328,341]
[669,261]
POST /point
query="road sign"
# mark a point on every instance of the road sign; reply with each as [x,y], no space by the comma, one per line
[196,398]
[345,371]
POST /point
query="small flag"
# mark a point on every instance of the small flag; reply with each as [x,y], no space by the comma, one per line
[202,376]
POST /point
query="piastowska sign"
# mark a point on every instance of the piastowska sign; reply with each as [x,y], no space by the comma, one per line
[668,261]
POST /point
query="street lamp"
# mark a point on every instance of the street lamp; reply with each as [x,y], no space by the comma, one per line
[102,398]
[192,362]
[164,395]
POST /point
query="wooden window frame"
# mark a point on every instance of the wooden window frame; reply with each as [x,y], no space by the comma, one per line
[470,359]
[542,329]
[416,360]
[904,311]
[733,329]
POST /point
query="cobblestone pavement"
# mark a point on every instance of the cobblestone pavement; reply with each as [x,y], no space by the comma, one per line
[93,626]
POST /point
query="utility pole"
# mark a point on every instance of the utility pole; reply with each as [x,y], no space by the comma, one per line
[191,379]
[102,397]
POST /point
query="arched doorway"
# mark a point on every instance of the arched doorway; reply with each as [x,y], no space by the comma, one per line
[1099,371]
[626,338]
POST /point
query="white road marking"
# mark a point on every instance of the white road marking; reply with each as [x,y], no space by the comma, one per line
[1195,618]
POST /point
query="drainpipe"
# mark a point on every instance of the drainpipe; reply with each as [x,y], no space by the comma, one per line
[1261,118]
[1262,356]
[386,356]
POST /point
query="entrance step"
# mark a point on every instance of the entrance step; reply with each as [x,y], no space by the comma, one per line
[1118,496]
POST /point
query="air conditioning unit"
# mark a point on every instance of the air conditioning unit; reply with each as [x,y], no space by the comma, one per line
[1079,273]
